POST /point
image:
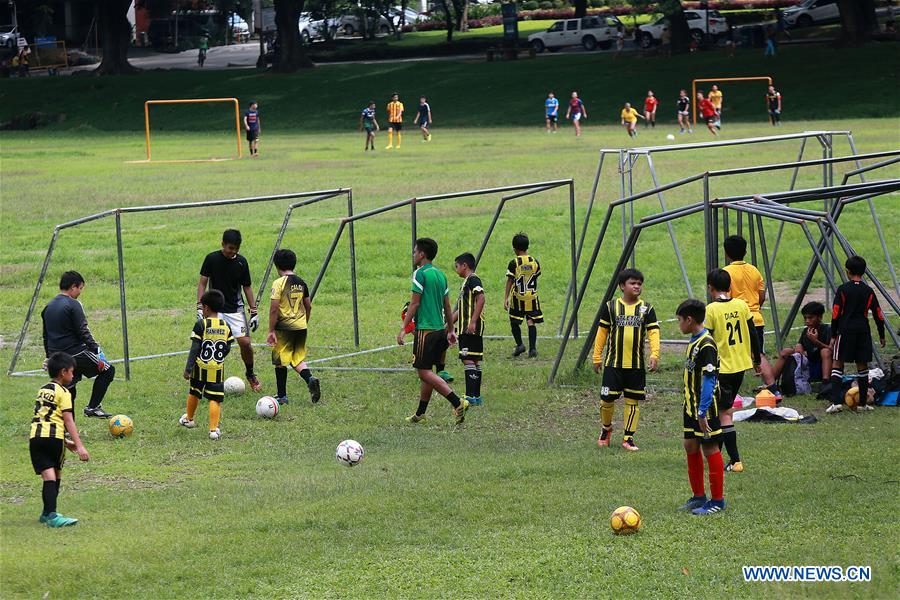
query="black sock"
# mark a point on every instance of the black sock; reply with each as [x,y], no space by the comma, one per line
[532,337]
[281,381]
[729,437]
[862,378]
[48,494]
[837,381]
[423,406]
[306,374]
[470,380]
[477,382]
[58,484]
[453,399]
[249,370]
[516,331]
[101,384]
[440,367]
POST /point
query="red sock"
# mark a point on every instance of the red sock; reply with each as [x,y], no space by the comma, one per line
[716,476]
[695,473]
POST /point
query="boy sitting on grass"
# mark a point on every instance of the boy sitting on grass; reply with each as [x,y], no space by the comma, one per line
[814,344]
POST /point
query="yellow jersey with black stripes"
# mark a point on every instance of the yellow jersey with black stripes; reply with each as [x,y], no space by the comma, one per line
[290,291]
[52,401]
[215,340]
[465,305]
[625,330]
[701,358]
[395,111]
[730,323]
[524,271]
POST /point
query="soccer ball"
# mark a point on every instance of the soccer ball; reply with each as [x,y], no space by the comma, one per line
[267,407]
[350,453]
[120,426]
[625,520]
[234,385]
[670,137]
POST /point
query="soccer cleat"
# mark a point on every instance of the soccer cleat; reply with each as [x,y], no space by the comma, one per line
[446,376]
[255,385]
[694,502]
[43,518]
[520,349]
[428,139]
[710,507]
[315,390]
[57,520]
[460,412]
[605,434]
[215,434]
[416,419]
[735,467]
[391,147]
[189,423]
[475,400]
[282,400]
[866,407]
[96,411]
[630,445]
[834,408]
[532,353]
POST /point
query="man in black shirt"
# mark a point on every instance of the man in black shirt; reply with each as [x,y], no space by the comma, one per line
[66,330]
[227,271]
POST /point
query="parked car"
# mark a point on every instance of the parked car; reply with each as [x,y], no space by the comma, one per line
[811,12]
[651,34]
[348,24]
[238,26]
[9,36]
[589,32]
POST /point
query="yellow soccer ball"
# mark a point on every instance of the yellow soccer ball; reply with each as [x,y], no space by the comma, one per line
[625,520]
[120,426]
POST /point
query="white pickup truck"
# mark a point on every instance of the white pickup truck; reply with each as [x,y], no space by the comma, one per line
[590,32]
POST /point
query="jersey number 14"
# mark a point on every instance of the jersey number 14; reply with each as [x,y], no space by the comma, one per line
[525,286]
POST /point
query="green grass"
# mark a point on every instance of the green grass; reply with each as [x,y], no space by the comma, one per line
[467,93]
[516,502]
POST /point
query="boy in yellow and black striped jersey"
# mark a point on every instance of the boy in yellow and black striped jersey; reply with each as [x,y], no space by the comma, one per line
[468,318]
[524,305]
[211,341]
[290,309]
[47,443]
[628,323]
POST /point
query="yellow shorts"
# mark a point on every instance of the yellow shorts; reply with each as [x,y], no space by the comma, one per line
[290,347]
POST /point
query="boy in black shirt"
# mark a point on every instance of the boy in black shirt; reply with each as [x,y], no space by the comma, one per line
[814,343]
[468,318]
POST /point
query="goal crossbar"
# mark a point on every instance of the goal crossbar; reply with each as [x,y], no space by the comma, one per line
[233,101]
[694,83]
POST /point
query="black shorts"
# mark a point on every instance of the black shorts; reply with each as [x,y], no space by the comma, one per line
[422,122]
[729,385]
[553,118]
[518,311]
[761,336]
[710,120]
[853,347]
[618,382]
[46,453]
[396,126]
[429,348]
[692,429]
[471,347]
[209,390]
[252,135]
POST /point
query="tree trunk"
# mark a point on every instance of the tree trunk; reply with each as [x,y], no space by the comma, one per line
[404,4]
[448,19]
[681,34]
[290,55]
[464,20]
[580,8]
[858,20]
[115,34]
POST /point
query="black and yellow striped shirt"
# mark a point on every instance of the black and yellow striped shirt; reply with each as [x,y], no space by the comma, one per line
[215,340]
[628,327]
[465,305]
[52,401]
[701,358]
[524,271]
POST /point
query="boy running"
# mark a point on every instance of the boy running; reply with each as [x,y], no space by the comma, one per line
[702,429]
[707,112]
[715,96]
[650,103]
[731,325]
[395,121]
[290,309]
[551,112]
[575,112]
[211,341]
[368,123]
[852,336]
[522,274]
[629,118]
[227,271]
[469,320]
[628,322]
[423,120]
[814,344]
[251,124]
[54,417]
[773,102]
[684,108]
[429,306]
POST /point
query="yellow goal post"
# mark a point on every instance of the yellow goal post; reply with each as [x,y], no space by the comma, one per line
[233,101]
[694,83]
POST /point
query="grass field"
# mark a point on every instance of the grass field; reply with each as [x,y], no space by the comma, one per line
[515,503]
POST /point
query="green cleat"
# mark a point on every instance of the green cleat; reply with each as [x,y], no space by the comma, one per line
[460,412]
[57,520]
[43,518]
[416,419]
[446,376]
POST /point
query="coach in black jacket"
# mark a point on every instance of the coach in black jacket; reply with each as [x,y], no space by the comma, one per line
[66,330]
